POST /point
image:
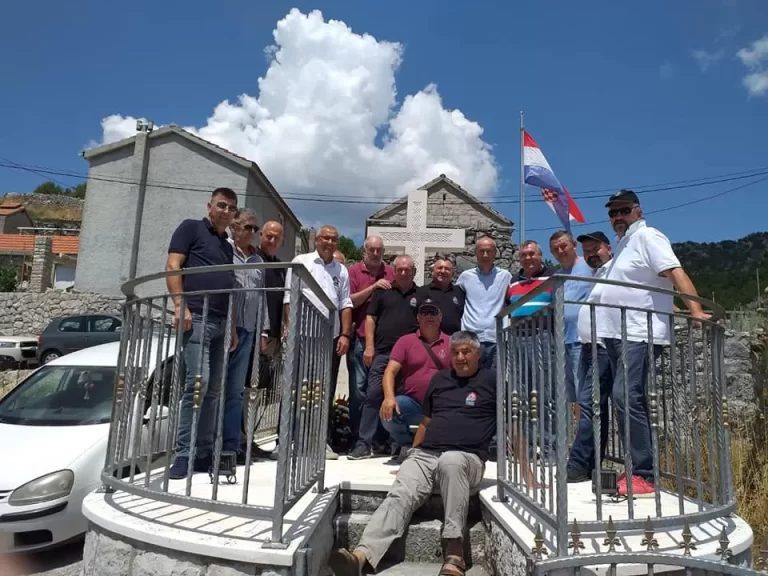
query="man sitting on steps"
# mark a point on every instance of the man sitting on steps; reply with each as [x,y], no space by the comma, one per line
[450,449]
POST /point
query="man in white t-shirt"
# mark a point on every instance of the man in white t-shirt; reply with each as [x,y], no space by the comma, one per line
[644,256]
[334,280]
[597,253]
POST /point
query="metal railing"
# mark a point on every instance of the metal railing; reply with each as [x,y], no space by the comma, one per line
[159,364]
[676,426]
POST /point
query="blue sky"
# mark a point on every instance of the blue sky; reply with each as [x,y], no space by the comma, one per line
[613,92]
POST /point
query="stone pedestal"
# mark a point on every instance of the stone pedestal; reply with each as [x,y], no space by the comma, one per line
[42,265]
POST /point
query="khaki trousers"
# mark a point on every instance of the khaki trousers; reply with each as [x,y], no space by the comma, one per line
[456,474]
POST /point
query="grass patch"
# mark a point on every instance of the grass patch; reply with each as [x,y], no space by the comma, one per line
[69,213]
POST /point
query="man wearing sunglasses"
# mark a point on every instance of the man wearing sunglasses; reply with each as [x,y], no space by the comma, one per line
[644,257]
[201,243]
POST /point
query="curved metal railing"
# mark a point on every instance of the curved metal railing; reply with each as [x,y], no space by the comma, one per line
[681,396]
[158,361]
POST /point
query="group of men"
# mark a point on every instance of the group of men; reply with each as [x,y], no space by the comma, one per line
[423,355]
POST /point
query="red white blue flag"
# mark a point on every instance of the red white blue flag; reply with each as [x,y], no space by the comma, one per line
[538,172]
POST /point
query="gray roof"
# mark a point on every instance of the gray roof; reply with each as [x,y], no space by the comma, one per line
[458,190]
[251,166]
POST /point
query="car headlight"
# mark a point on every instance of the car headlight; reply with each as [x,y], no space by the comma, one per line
[43,489]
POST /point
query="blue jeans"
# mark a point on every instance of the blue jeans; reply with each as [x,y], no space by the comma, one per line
[374,396]
[237,372]
[488,355]
[583,450]
[636,384]
[572,363]
[399,426]
[358,385]
[209,337]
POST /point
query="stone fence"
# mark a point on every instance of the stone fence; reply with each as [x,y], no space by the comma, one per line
[29,313]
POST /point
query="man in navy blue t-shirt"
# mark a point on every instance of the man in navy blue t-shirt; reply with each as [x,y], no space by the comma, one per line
[201,243]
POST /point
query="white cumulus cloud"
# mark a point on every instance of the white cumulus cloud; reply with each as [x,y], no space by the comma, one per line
[327,120]
[755,58]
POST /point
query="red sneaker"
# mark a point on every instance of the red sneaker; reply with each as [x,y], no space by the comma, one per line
[641,488]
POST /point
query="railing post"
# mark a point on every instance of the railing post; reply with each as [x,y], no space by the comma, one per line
[561,409]
[326,406]
[502,352]
[285,433]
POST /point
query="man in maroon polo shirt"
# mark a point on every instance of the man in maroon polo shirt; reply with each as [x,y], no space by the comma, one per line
[365,278]
[413,361]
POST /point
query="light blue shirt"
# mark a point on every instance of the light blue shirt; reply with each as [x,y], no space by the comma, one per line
[485,299]
[575,291]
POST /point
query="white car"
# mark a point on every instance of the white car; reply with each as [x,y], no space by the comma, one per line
[54,428]
[18,350]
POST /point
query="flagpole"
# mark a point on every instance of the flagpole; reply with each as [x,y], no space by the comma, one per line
[522,181]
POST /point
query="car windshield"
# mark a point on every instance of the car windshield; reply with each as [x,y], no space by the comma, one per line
[61,396]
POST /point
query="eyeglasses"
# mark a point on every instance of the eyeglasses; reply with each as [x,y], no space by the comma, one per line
[626,211]
[249,227]
[329,239]
[225,206]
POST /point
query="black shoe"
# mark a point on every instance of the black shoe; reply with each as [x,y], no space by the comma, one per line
[257,452]
[361,452]
[179,468]
[576,475]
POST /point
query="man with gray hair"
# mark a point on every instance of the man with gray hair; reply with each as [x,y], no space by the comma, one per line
[449,450]
[250,313]
[392,314]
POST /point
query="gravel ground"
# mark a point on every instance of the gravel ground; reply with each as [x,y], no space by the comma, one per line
[62,561]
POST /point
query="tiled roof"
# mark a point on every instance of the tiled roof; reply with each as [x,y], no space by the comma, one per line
[25,244]
[10,207]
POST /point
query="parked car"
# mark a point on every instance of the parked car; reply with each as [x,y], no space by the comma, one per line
[54,428]
[18,351]
[71,333]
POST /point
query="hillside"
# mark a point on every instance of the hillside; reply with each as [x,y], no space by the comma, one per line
[727,268]
[49,207]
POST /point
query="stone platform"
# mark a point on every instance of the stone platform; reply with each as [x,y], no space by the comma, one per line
[130,532]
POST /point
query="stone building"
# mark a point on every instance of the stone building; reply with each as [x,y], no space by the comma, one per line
[142,187]
[450,206]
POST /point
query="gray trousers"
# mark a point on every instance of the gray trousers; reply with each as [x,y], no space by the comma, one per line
[456,474]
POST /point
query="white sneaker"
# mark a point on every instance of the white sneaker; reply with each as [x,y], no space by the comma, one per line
[330,454]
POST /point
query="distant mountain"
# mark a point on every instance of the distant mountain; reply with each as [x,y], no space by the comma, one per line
[727,269]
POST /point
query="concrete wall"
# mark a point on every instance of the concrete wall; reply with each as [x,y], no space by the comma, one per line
[106,235]
[173,159]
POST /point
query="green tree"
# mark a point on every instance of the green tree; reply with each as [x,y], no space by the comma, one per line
[49,188]
[351,252]
[78,191]
[7,278]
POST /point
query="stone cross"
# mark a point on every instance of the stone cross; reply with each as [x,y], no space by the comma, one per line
[415,239]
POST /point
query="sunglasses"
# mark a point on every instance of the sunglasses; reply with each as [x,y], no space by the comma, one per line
[626,211]
[225,206]
[429,312]
[249,227]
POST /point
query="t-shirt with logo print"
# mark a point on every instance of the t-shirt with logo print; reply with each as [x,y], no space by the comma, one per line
[462,412]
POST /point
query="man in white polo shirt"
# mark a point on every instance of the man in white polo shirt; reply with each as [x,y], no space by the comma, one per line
[643,256]
[334,280]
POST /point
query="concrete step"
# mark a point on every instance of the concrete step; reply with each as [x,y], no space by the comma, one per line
[366,501]
[421,543]
[424,569]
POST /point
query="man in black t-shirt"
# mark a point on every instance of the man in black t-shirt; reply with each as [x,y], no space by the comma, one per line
[450,448]
[392,314]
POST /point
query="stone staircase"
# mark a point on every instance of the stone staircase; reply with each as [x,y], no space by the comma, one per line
[420,550]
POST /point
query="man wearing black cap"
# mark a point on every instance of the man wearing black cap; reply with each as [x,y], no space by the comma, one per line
[597,253]
[644,257]
[414,359]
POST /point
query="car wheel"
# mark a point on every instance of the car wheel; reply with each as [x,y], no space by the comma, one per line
[50,355]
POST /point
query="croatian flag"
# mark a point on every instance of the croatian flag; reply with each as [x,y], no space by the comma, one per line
[538,172]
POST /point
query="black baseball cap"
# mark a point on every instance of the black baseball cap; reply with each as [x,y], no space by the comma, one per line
[426,304]
[598,236]
[623,196]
